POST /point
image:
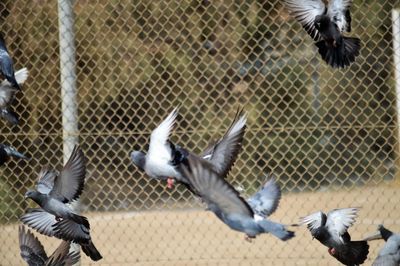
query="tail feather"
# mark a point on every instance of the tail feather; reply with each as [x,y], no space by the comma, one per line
[80,220]
[90,250]
[276,229]
[353,253]
[341,56]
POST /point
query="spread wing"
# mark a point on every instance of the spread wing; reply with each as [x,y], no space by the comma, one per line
[214,190]
[159,145]
[71,231]
[339,220]
[45,181]
[69,184]
[223,154]
[265,201]
[339,12]
[39,220]
[32,250]
[314,221]
[62,256]
[305,12]
[20,76]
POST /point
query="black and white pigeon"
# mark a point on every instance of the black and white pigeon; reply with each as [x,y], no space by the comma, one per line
[55,218]
[7,151]
[331,230]
[227,204]
[389,255]
[33,253]
[326,25]
[163,157]
[7,96]
[6,64]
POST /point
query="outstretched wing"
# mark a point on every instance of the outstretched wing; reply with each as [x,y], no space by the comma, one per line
[20,76]
[305,12]
[213,189]
[314,221]
[265,201]
[32,250]
[339,220]
[39,220]
[62,256]
[223,154]
[45,181]
[69,184]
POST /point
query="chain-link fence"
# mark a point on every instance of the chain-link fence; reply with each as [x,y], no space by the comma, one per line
[330,137]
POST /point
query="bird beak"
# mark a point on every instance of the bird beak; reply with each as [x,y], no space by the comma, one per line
[375,236]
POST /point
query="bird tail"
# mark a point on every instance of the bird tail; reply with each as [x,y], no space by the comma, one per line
[276,229]
[80,220]
[10,116]
[342,55]
[90,250]
[353,253]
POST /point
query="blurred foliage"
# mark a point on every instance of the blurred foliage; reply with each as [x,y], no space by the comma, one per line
[309,125]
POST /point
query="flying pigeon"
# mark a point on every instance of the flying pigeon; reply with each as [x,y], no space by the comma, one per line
[226,203]
[389,255]
[6,64]
[53,191]
[7,96]
[33,252]
[163,157]
[331,230]
[326,25]
[7,151]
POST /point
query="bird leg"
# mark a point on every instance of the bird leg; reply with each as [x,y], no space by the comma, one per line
[170,182]
[249,238]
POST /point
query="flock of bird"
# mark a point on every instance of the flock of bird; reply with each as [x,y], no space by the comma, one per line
[203,174]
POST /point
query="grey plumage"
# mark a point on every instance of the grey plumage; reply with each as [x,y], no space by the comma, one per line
[389,254]
[326,25]
[265,201]
[34,254]
[226,203]
[7,151]
[53,191]
[331,230]
[7,96]
[6,64]
[163,158]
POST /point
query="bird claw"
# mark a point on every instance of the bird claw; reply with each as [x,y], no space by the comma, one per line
[170,182]
[249,238]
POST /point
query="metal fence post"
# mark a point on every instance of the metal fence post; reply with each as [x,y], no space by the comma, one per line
[396,58]
[68,82]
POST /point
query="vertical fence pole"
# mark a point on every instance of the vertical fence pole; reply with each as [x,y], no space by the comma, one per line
[396,56]
[68,82]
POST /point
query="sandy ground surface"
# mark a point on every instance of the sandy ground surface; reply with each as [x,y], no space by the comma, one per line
[195,237]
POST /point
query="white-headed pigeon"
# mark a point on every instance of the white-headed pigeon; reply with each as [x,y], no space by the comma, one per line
[226,203]
[33,252]
[326,25]
[55,217]
[331,230]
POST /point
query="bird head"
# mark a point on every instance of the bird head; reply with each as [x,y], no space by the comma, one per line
[32,194]
[139,159]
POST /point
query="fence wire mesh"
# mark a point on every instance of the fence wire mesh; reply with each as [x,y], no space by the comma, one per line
[329,137]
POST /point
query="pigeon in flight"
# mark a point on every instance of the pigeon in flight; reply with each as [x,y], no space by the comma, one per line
[331,230]
[389,255]
[53,191]
[163,157]
[6,64]
[226,203]
[326,24]
[7,96]
[33,252]
[7,151]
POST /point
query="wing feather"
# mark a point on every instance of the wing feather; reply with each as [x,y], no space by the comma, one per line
[339,220]
[265,201]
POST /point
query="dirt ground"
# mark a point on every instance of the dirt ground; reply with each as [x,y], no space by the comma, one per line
[194,237]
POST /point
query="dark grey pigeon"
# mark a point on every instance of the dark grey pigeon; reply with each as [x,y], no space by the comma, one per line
[326,25]
[226,203]
[33,252]
[163,157]
[265,201]
[7,151]
[7,96]
[6,64]
[389,255]
[55,217]
[331,230]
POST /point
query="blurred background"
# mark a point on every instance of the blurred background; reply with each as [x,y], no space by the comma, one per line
[329,137]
